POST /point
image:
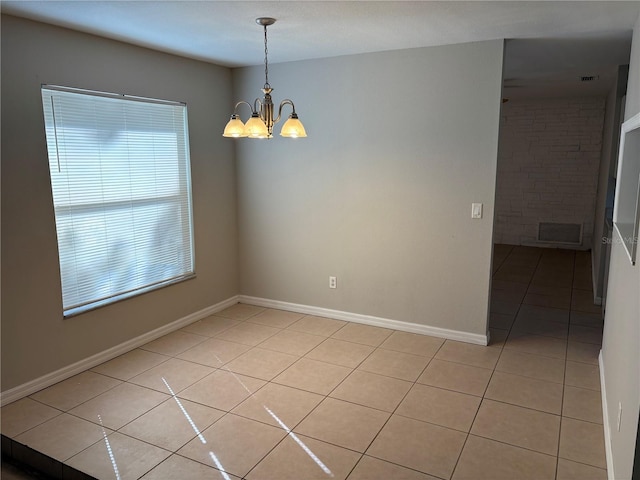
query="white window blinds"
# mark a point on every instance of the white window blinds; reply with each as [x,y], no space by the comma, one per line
[122,194]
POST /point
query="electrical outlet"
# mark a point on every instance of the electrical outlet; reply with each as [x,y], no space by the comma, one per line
[333,282]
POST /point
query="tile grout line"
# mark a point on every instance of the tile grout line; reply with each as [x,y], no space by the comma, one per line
[494,367]
[310,412]
[144,413]
[573,273]
[228,412]
[362,454]
[394,412]
[503,260]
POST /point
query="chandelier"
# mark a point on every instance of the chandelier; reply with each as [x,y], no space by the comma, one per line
[260,125]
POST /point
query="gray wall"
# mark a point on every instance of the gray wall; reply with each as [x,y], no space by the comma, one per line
[620,352]
[400,144]
[35,338]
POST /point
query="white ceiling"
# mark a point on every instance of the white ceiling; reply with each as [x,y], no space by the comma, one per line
[553,41]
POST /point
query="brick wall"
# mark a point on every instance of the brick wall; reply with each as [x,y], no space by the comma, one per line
[548,162]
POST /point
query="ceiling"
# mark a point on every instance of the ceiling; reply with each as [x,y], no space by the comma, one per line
[551,44]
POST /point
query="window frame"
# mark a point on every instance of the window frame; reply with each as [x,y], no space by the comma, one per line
[183,200]
[626,206]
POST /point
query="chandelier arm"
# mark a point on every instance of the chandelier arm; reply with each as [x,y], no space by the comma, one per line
[284,102]
[257,106]
[242,102]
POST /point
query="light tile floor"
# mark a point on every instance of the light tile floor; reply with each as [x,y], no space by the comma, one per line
[264,394]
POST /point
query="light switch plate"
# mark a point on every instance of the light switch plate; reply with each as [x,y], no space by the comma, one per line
[476,210]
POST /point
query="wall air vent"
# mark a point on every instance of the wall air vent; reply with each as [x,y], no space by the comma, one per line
[564,233]
[589,78]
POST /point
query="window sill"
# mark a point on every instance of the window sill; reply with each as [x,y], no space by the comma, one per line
[75,311]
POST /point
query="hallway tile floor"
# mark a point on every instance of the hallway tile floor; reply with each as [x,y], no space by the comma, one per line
[262,394]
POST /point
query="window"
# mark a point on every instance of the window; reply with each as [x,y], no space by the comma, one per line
[122,194]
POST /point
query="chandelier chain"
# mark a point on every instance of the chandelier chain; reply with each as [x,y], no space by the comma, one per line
[266,60]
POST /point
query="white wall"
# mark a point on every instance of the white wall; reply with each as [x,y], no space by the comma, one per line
[35,338]
[400,144]
[548,166]
[620,347]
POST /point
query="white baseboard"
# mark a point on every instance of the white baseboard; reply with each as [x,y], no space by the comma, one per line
[49,379]
[605,421]
[474,338]
[594,283]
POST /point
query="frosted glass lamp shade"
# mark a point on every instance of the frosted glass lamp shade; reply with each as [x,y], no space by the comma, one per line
[256,128]
[293,128]
[235,128]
